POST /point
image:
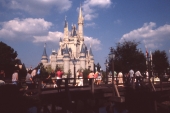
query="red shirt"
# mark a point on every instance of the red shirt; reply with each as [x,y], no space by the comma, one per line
[59,74]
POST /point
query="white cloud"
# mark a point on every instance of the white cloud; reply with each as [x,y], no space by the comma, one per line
[95,43]
[90,24]
[152,38]
[90,16]
[37,6]
[99,3]
[24,28]
[89,7]
[117,21]
[37,30]
[51,37]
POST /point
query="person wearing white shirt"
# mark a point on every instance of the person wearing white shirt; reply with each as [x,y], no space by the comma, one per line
[138,77]
[15,77]
[131,73]
[120,78]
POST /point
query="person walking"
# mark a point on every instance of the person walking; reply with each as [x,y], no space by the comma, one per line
[138,78]
[34,77]
[80,78]
[77,78]
[95,77]
[2,75]
[147,74]
[15,77]
[29,80]
[120,78]
[126,79]
[131,73]
[53,78]
[90,76]
[99,78]
[59,74]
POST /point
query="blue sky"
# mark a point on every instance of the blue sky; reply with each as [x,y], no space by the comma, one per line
[26,25]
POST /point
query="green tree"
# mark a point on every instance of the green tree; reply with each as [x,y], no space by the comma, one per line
[85,75]
[7,59]
[160,61]
[128,56]
[23,72]
[44,72]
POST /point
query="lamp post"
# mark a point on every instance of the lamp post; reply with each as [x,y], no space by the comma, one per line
[74,63]
[106,64]
[149,65]
[111,59]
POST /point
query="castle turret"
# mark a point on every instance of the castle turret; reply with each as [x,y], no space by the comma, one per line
[80,25]
[91,59]
[59,56]
[66,60]
[53,59]
[60,42]
[44,58]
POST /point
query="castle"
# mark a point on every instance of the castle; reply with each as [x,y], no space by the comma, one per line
[72,50]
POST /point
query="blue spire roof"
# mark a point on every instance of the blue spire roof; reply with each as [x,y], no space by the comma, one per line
[44,52]
[60,39]
[74,31]
[82,49]
[65,25]
[66,50]
[90,52]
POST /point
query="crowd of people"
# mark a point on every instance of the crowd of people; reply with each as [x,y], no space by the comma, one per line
[130,77]
[55,78]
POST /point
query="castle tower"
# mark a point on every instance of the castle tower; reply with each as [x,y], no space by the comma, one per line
[66,60]
[82,58]
[91,58]
[59,57]
[60,42]
[44,58]
[80,25]
[53,59]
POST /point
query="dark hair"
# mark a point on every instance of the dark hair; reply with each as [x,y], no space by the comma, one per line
[29,71]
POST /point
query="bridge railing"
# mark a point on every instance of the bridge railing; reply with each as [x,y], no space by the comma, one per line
[90,82]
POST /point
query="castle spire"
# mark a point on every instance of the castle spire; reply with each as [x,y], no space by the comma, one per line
[66,24]
[80,24]
[90,51]
[66,30]
[44,58]
[60,39]
[44,52]
[66,50]
[80,12]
